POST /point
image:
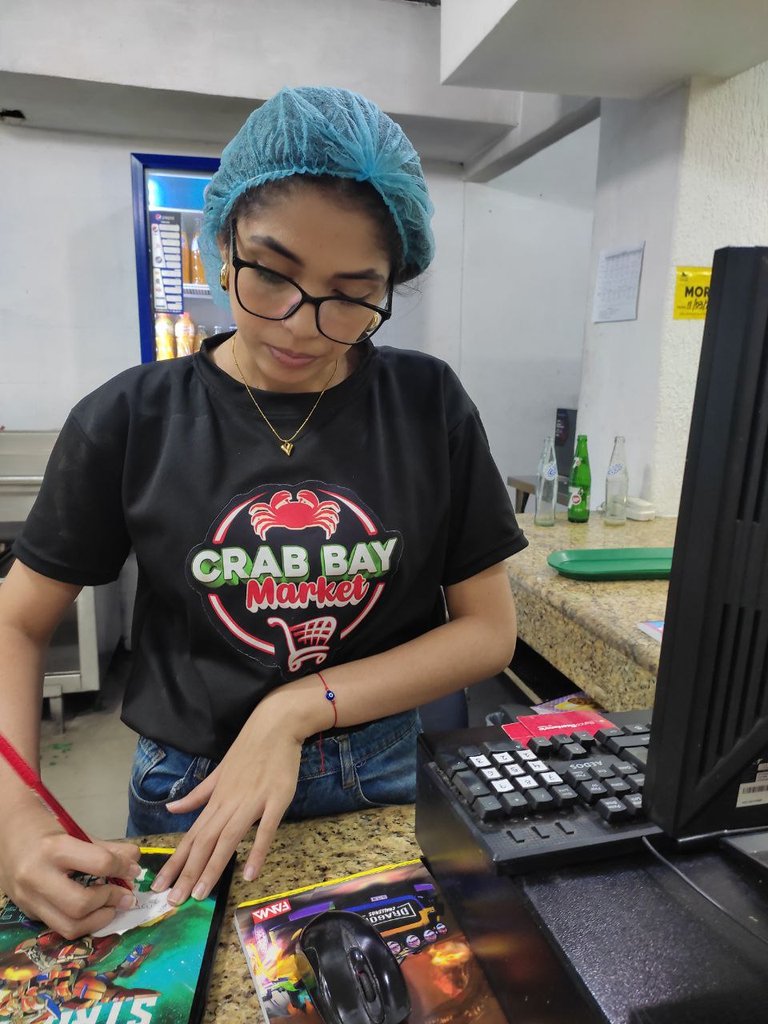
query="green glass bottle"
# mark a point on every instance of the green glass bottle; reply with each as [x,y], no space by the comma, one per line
[580,483]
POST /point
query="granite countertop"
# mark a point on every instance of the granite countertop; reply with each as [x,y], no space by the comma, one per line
[304,852]
[586,629]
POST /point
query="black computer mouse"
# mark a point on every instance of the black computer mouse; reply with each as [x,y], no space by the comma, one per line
[350,972]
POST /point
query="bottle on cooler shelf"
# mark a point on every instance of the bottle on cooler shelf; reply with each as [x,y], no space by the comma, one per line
[186,269]
[201,334]
[197,272]
[165,343]
[580,483]
[185,335]
[546,485]
[616,486]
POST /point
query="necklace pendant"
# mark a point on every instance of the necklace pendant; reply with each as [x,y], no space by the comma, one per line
[286,447]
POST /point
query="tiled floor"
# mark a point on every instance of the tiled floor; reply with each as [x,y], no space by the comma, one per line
[86,767]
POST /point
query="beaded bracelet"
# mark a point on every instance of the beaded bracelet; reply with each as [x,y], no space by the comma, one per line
[329,696]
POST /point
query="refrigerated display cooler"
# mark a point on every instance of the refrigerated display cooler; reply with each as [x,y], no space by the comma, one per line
[176,311]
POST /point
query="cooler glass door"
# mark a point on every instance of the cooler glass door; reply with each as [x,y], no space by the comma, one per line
[176,311]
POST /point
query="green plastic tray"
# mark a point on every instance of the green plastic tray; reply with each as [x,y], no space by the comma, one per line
[613,563]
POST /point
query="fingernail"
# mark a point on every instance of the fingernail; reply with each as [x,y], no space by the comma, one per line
[198,892]
[134,869]
[249,873]
[159,884]
[127,902]
[176,897]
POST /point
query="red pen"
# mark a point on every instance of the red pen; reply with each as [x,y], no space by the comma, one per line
[30,778]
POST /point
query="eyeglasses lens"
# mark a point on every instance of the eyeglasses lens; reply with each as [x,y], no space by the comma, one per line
[269,295]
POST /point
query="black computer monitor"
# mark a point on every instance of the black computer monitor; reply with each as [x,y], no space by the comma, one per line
[708,758]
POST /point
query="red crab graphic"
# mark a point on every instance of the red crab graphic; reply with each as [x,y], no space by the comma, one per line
[294,513]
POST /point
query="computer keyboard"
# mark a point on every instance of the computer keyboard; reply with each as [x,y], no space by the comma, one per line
[534,802]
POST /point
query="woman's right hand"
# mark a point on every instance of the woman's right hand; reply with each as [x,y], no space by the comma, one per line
[36,859]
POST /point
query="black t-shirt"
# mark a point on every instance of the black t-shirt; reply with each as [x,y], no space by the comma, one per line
[256,568]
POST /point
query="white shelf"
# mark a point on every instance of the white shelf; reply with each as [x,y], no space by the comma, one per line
[196,290]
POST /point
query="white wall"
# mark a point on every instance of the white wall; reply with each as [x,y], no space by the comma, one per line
[637,191]
[686,172]
[723,200]
[68,292]
[68,299]
[526,268]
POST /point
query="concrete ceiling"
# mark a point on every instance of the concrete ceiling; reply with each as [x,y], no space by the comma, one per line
[63,104]
[613,49]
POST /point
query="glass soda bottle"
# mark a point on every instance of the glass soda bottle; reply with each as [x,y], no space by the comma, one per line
[546,485]
[616,486]
[580,483]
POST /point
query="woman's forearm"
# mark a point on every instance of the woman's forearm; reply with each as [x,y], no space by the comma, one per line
[477,643]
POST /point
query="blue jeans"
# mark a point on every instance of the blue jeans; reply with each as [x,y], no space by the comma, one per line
[367,766]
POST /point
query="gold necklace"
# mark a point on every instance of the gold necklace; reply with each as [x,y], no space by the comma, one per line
[286,443]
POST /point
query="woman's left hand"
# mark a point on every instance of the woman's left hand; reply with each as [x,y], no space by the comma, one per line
[255,781]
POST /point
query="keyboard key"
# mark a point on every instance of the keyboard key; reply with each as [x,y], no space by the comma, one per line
[559,739]
[636,728]
[550,778]
[537,766]
[514,771]
[470,786]
[638,756]
[479,761]
[503,745]
[620,744]
[564,796]
[634,803]
[541,746]
[624,768]
[566,826]
[612,809]
[525,755]
[513,803]
[604,734]
[451,764]
[616,787]
[599,771]
[539,799]
[467,752]
[586,739]
[542,831]
[490,773]
[575,775]
[504,757]
[590,791]
[488,808]
[571,751]
[636,782]
[502,786]
[523,782]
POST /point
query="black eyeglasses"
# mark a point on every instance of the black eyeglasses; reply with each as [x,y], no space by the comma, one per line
[272,296]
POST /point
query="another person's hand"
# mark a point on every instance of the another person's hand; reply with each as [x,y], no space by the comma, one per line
[36,860]
[255,782]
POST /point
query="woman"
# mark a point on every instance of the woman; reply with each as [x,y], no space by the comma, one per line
[305,508]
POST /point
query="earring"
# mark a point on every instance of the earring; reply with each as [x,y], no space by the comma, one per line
[224,277]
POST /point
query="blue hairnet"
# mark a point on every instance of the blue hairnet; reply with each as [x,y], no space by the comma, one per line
[319,130]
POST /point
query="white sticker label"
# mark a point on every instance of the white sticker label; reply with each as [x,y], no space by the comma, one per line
[752,793]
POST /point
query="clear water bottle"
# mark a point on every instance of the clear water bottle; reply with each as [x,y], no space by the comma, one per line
[546,485]
[616,486]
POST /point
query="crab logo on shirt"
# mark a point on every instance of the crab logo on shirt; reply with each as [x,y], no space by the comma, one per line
[287,572]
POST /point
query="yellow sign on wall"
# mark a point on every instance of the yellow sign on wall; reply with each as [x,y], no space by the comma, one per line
[691,293]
